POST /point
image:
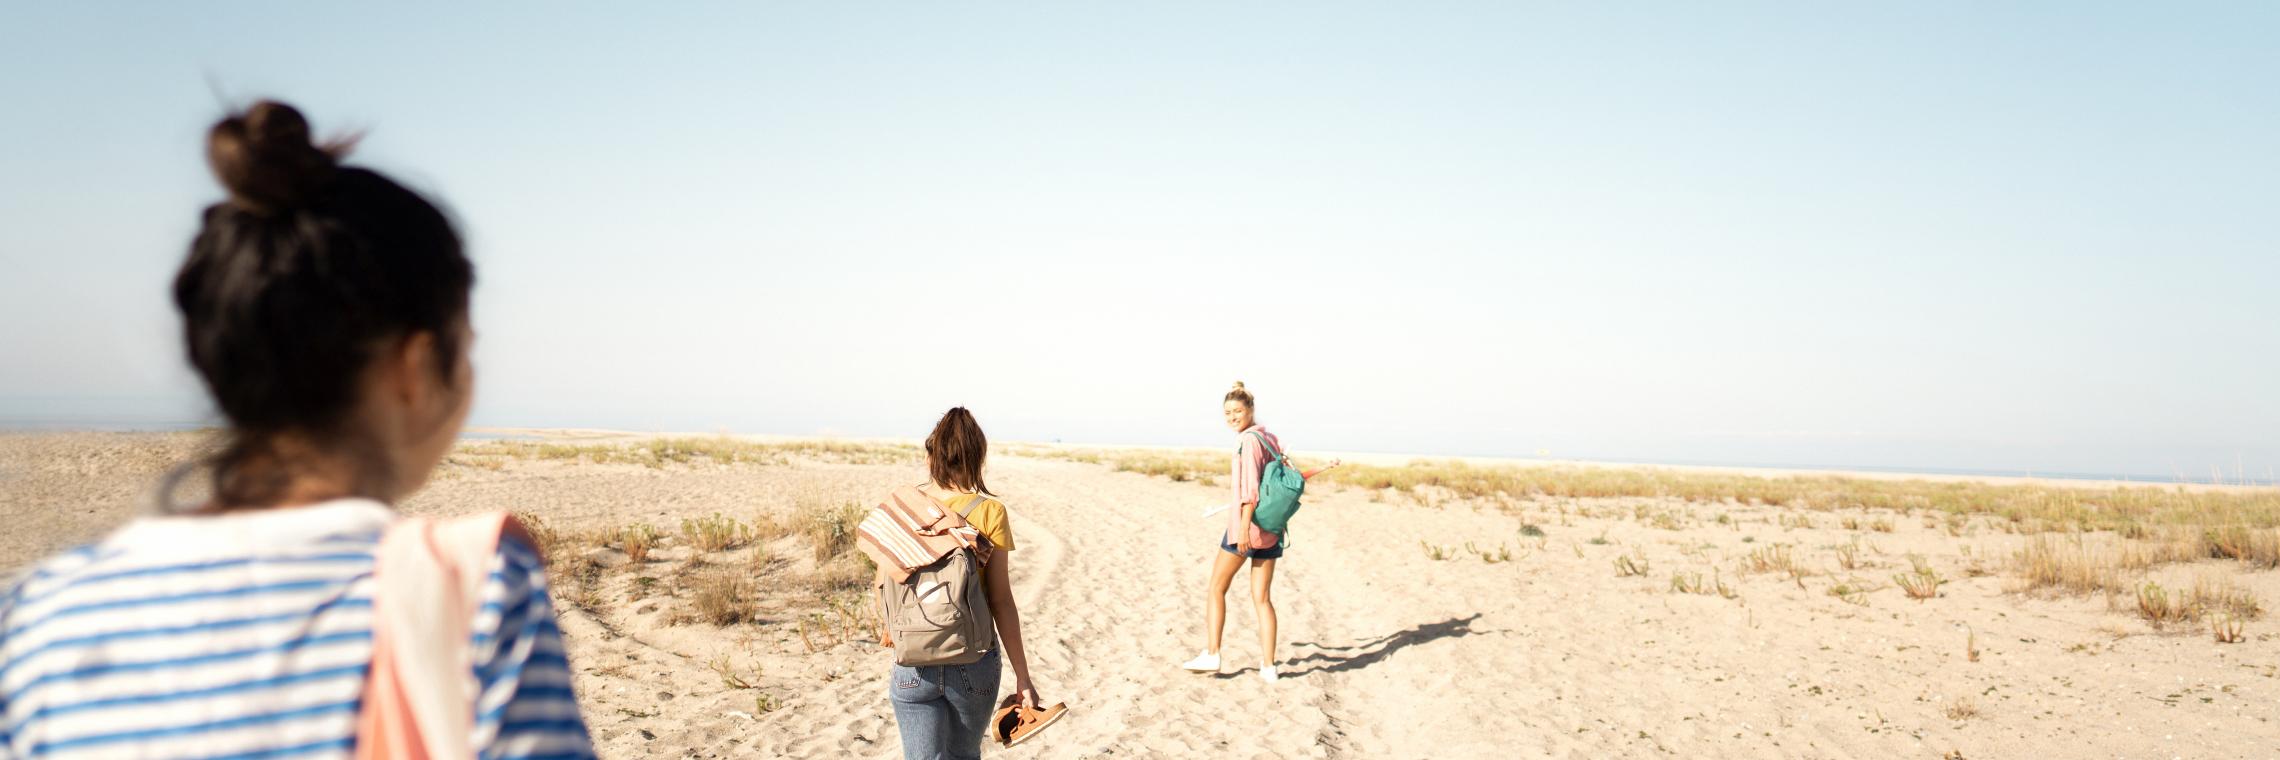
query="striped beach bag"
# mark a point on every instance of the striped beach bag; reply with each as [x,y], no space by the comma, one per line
[934,604]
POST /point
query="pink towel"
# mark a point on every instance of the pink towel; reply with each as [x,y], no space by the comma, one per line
[419,701]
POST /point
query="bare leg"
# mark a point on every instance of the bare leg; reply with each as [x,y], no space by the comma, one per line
[1263,601]
[1215,605]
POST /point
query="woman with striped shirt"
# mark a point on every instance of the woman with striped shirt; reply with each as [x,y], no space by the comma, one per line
[325,308]
[1244,539]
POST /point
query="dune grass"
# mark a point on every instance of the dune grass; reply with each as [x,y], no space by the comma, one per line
[2043,507]
[1179,466]
[2081,539]
[2231,524]
[688,450]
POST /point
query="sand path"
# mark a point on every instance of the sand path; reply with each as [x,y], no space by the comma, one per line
[1109,577]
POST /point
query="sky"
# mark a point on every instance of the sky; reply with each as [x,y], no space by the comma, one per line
[2006,237]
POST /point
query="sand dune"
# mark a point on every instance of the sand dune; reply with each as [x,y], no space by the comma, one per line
[1387,652]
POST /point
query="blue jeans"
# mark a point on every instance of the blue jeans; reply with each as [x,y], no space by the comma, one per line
[943,711]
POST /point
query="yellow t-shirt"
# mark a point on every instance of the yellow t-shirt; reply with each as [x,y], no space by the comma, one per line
[988,516]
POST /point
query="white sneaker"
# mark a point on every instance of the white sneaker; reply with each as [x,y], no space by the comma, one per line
[1267,672]
[1208,662]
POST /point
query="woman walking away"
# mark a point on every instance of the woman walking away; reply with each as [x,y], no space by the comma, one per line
[943,711]
[1244,539]
[293,614]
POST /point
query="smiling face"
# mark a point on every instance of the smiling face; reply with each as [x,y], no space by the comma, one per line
[1238,414]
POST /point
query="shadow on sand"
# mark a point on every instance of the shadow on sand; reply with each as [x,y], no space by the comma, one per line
[1338,659]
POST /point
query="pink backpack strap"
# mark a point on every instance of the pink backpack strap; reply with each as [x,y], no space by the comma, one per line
[419,701]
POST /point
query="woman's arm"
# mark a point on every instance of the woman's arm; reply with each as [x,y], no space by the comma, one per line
[1309,474]
[879,597]
[1249,530]
[1008,620]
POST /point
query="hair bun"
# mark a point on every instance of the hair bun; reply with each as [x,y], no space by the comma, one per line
[264,158]
[1238,385]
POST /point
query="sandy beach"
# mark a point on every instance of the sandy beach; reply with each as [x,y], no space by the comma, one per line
[1532,626]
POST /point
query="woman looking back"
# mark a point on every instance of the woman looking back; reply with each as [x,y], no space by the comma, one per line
[1243,540]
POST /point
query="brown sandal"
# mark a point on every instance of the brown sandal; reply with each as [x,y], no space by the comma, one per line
[1013,724]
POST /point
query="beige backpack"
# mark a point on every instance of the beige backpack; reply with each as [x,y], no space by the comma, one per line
[940,613]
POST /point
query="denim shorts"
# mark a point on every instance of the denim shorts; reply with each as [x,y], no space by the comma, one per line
[1274,553]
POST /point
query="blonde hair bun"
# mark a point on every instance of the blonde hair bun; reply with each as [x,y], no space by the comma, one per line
[1238,394]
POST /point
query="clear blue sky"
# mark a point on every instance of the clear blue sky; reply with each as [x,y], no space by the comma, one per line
[2001,236]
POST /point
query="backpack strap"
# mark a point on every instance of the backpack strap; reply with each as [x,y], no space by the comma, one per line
[964,511]
[1270,447]
[983,547]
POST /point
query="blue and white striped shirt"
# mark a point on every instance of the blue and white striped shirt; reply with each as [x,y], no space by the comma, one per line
[248,635]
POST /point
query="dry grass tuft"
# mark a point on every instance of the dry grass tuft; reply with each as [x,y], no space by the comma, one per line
[2069,564]
[637,540]
[1776,558]
[2209,597]
[563,553]
[725,667]
[715,533]
[1851,592]
[1961,709]
[1919,585]
[1689,583]
[849,570]
[2227,628]
[856,612]
[2213,595]
[831,528]
[2257,548]
[2156,607]
[720,598]
[546,536]
[580,579]
[851,615]
[766,527]
[1627,566]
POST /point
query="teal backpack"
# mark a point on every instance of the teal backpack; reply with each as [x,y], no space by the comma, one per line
[1280,485]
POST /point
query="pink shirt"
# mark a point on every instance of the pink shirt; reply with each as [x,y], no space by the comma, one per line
[1250,462]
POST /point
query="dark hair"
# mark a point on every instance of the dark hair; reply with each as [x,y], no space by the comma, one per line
[296,281]
[1240,395]
[954,452]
